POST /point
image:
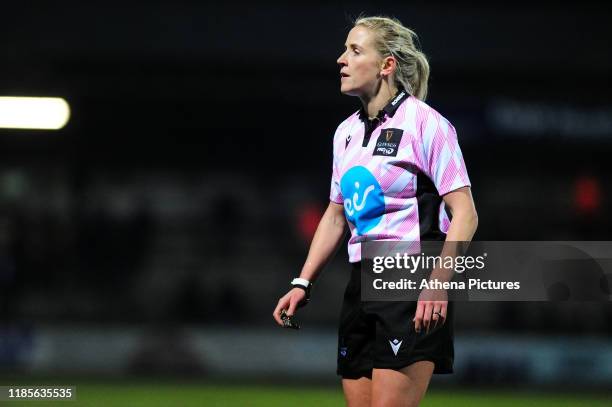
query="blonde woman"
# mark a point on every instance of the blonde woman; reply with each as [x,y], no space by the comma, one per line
[398,174]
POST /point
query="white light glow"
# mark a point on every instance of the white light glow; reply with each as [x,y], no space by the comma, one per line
[33,113]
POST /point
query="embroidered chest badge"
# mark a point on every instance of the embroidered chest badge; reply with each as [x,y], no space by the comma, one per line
[388,142]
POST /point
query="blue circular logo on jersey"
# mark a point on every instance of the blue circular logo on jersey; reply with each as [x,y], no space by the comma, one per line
[364,201]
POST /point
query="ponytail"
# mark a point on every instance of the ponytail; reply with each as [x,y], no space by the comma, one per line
[393,39]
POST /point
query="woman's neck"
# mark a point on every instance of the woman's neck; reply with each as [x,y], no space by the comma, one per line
[372,104]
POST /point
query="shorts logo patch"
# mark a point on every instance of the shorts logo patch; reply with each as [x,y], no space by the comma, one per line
[343,350]
[388,142]
[395,345]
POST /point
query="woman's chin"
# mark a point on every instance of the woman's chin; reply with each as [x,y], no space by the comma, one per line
[348,90]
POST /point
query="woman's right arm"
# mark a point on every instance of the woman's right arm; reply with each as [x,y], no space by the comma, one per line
[327,238]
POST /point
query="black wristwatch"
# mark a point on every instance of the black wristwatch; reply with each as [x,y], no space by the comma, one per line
[304,285]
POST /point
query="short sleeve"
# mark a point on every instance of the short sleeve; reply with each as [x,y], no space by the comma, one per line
[443,160]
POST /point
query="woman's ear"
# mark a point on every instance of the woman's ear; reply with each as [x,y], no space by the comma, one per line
[388,66]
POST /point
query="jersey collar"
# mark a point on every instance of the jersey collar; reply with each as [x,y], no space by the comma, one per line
[389,109]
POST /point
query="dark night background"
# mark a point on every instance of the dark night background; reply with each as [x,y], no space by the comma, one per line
[185,188]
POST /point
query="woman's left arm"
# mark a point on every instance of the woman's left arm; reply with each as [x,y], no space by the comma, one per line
[432,304]
[464,217]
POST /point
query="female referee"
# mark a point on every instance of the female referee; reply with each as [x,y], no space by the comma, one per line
[398,174]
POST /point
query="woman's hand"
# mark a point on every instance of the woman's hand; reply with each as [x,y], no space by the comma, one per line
[431,306]
[290,302]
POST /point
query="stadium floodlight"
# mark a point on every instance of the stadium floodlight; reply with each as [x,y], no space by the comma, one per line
[33,112]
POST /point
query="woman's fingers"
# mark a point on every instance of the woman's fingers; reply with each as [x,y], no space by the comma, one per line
[435,315]
[427,315]
[443,311]
[289,303]
[439,313]
[428,311]
[276,313]
[418,316]
[282,304]
[292,305]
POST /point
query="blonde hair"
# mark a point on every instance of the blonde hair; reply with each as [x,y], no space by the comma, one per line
[393,39]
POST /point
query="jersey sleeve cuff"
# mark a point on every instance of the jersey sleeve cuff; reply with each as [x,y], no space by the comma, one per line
[337,200]
[454,187]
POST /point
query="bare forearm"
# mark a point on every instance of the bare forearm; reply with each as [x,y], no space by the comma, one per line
[462,229]
[325,242]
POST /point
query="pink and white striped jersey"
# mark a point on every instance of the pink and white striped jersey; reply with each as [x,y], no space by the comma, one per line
[390,173]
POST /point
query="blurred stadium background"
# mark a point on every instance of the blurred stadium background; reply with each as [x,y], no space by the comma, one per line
[144,245]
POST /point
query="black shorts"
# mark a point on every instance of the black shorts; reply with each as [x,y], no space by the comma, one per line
[380,334]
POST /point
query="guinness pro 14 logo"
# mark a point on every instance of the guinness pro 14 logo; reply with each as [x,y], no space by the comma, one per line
[388,142]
